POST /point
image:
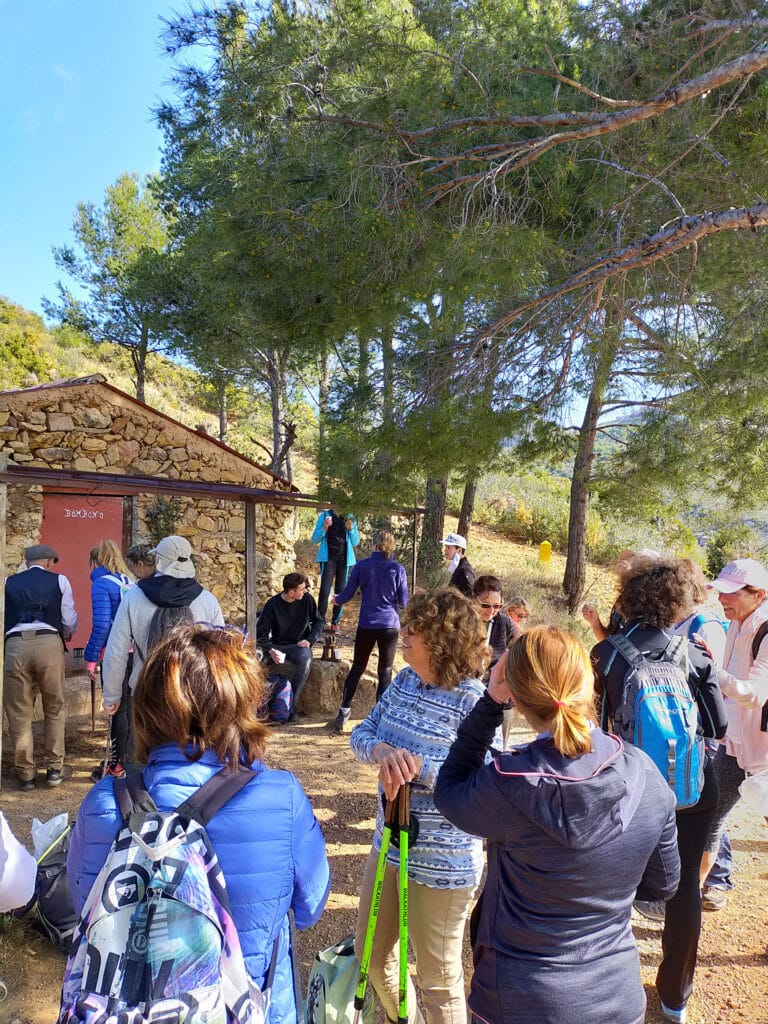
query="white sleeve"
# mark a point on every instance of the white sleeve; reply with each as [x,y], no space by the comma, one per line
[18,871]
[68,613]
[116,655]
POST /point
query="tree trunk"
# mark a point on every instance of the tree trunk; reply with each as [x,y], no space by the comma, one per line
[576,561]
[281,462]
[467,506]
[139,359]
[322,418]
[222,403]
[430,558]
[388,365]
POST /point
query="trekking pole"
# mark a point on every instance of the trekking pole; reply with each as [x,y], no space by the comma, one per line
[405,824]
[390,819]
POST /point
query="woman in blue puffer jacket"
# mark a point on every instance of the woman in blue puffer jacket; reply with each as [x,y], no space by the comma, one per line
[194,712]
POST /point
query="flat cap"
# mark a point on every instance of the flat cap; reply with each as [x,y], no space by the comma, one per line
[37,552]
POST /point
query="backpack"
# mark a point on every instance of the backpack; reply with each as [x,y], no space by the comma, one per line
[700,620]
[280,701]
[757,639]
[122,581]
[54,912]
[332,985]
[156,940]
[658,713]
[163,622]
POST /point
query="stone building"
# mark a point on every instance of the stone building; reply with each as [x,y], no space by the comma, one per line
[80,436]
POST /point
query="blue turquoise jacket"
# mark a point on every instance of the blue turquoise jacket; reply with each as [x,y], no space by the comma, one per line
[268,842]
[318,537]
[106,594]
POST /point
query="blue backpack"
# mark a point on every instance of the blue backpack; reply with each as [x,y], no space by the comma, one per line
[658,713]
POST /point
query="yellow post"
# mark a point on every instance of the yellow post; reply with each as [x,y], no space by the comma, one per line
[545,552]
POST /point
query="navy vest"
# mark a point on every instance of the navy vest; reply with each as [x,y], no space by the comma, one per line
[33,596]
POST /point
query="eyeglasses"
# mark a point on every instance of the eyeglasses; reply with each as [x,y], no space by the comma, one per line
[496,607]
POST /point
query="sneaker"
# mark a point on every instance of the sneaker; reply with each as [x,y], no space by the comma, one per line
[713,898]
[53,777]
[654,910]
[116,771]
[676,1016]
[27,785]
[340,724]
[335,627]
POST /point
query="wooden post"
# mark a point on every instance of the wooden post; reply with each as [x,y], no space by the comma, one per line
[3,520]
[415,539]
[251,607]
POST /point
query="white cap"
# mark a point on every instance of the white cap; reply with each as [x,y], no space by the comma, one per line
[456,540]
[743,572]
[173,557]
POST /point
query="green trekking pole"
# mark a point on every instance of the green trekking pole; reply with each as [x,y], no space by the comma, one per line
[390,817]
[405,824]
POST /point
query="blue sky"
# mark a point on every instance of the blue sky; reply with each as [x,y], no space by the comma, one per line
[78,79]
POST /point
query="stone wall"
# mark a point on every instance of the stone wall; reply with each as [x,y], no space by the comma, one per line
[92,427]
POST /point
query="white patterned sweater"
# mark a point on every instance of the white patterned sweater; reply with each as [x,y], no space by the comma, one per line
[424,719]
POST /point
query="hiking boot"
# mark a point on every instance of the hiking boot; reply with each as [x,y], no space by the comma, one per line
[27,785]
[713,898]
[53,777]
[340,724]
[654,910]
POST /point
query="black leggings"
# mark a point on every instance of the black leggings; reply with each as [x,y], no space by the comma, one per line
[729,778]
[682,924]
[333,576]
[365,640]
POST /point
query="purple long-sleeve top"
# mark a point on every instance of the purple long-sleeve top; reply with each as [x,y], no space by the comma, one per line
[383,587]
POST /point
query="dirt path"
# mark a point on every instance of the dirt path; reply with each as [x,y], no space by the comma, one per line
[732,981]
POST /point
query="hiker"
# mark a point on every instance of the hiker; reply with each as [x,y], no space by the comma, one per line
[462,573]
[576,822]
[153,607]
[408,734]
[654,595]
[518,610]
[18,872]
[288,625]
[500,632]
[383,588]
[704,625]
[590,613]
[39,617]
[194,711]
[743,589]
[141,561]
[109,581]
[338,536]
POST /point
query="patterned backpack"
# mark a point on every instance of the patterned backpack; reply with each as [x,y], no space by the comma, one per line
[156,940]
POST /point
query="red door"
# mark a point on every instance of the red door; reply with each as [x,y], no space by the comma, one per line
[72,525]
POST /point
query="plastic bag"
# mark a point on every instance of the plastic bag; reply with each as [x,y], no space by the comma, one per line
[754,791]
[45,833]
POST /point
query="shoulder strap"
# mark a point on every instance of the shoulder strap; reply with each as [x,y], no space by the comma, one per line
[133,800]
[757,639]
[695,624]
[625,647]
[676,650]
[214,793]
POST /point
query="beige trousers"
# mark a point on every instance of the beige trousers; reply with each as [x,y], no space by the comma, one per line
[436,929]
[34,662]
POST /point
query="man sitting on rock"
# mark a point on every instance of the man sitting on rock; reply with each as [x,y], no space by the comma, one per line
[288,625]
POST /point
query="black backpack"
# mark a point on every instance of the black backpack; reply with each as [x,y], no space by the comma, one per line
[163,623]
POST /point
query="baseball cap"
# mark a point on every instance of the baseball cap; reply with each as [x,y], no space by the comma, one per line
[36,552]
[456,540]
[173,557]
[743,572]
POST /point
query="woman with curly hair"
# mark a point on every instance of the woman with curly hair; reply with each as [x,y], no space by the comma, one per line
[654,595]
[575,823]
[408,735]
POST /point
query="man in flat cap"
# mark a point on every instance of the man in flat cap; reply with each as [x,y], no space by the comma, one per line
[39,616]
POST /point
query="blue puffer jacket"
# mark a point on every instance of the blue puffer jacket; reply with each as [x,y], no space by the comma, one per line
[106,594]
[268,842]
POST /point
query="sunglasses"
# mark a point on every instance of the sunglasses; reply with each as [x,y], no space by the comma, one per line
[496,607]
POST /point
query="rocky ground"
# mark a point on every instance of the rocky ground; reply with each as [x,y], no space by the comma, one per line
[732,980]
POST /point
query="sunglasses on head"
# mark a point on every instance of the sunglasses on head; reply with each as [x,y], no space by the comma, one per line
[496,607]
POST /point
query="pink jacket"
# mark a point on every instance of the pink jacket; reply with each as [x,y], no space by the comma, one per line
[745,683]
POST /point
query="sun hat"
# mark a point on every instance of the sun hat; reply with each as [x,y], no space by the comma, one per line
[456,540]
[742,572]
[37,552]
[173,557]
